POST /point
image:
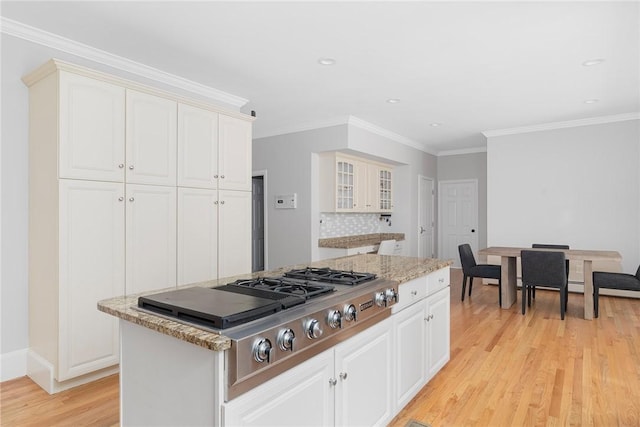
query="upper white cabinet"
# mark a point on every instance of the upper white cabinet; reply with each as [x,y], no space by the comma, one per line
[350,184]
[214,150]
[150,139]
[197,147]
[91,126]
[235,153]
[234,233]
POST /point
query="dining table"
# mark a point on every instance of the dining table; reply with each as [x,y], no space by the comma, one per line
[508,263]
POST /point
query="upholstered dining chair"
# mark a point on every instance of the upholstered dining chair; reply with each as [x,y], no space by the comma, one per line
[621,281]
[545,269]
[386,247]
[470,270]
[546,246]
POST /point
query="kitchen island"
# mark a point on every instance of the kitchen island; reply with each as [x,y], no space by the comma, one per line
[172,373]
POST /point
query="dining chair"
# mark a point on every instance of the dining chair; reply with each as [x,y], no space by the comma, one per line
[546,246]
[621,281]
[545,269]
[386,247]
[470,270]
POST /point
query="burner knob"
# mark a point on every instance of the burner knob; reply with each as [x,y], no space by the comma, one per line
[313,329]
[350,312]
[262,350]
[391,294]
[380,299]
[286,337]
[334,319]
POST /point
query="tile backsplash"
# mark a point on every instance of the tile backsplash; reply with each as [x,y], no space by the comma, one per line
[350,224]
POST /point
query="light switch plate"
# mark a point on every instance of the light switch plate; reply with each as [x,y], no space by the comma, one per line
[287,201]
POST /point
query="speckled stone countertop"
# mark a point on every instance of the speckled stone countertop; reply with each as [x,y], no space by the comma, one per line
[397,268]
[348,242]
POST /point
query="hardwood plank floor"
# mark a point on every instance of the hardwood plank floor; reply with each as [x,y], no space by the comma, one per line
[506,369]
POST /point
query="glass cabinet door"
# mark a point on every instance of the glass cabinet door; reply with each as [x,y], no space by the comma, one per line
[344,185]
[385,189]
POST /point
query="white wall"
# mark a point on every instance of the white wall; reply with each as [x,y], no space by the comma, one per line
[578,186]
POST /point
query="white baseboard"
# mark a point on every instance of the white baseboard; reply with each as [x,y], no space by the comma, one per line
[42,373]
[13,364]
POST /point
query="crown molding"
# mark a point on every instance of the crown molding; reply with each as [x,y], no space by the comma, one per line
[462,151]
[370,127]
[302,127]
[36,35]
[563,125]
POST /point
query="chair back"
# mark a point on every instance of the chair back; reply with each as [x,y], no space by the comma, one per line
[638,273]
[386,247]
[466,258]
[544,268]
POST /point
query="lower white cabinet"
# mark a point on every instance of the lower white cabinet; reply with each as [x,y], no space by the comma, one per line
[348,385]
[438,318]
[409,327]
[214,234]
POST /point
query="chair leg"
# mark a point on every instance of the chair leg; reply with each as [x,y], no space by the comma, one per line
[464,285]
[563,302]
[533,292]
[470,284]
[529,296]
[524,296]
[595,301]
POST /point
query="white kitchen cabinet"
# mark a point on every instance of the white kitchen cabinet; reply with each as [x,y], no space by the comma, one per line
[235,153]
[151,237]
[302,396]
[214,237]
[91,263]
[437,315]
[327,253]
[348,385]
[234,233]
[197,147]
[364,389]
[410,335]
[351,184]
[151,139]
[91,126]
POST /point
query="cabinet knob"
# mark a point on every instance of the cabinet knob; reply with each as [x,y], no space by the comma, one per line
[414,293]
[121,165]
[222,176]
[333,381]
[215,176]
[120,198]
[131,199]
[215,203]
[343,376]
[130,167]
[222,202]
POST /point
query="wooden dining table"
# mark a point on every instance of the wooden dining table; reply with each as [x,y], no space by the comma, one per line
[509,256]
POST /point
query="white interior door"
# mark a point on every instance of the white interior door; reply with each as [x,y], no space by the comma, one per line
[457,218]
[425,217]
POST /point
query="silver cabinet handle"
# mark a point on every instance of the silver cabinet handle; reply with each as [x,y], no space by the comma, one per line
[130,167]
[121,165]
[222,176]
[414,293]
[343,376]
[215,176]
[131,199]
[333,381]
[215,203]
[222,202]
[120,198]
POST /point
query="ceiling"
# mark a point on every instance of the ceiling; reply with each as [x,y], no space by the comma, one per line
[467,66]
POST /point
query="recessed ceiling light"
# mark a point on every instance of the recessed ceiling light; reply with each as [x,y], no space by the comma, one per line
[326,61]
[590,62]
[435,125]
[591,101]
[393,100]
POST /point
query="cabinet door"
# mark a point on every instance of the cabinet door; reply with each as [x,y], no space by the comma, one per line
[150,238]
[345,185]
[151,139]
[234,233]
[361,202]
[409,332]
[91,231]
[384,199]
[235,153]
[197,235]
[91,129]
[197,147]
[438,326]
[363,371]
[300,397]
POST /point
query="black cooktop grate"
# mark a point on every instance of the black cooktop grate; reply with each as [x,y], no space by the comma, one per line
[328,275]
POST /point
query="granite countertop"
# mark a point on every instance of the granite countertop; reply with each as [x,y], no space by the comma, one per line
[348,242]
[398,268]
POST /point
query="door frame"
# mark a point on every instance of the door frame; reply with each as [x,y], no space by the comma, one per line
[433,218]
[263,173]
[440,234]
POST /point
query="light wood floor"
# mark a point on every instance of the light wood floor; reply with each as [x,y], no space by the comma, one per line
[506,369]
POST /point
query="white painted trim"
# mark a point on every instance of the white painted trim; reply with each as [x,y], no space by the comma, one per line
[462,151]
[563,125]
[36,35]
[13,364]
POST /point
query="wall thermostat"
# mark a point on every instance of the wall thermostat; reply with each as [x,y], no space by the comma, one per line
[288,201]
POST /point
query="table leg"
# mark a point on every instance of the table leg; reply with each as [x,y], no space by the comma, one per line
[509,281]
[588,289]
